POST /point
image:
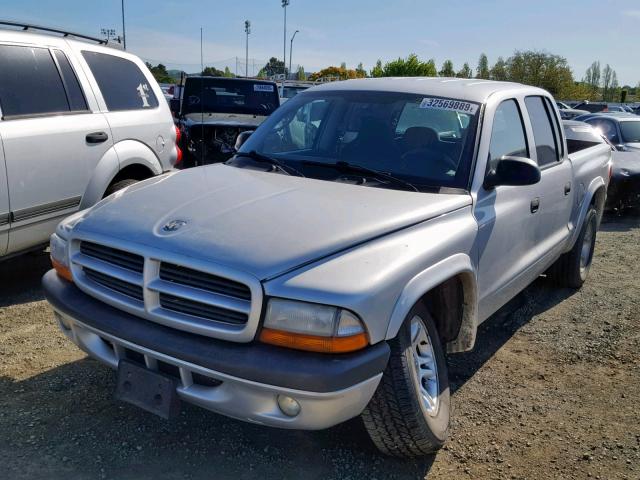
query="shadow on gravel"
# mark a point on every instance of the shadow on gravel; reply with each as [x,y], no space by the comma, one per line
[64,423]
[628,220]
[20,278]
[538,297]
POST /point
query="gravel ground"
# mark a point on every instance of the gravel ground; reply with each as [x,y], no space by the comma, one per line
[552,390]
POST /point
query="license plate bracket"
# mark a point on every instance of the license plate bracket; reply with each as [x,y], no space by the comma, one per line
[146,389]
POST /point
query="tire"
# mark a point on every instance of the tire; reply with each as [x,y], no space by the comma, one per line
[119,185]
[572,268]
[398,421]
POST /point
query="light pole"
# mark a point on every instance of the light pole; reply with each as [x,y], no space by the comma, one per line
[108,32]
[285,3]
[247,30]
[124,33]
[291,49]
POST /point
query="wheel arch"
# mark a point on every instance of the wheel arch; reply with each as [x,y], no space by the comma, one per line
[448,290]
[595,195]
[126,157]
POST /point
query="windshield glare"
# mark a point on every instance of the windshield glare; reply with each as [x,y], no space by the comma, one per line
[425,141]
[630,132]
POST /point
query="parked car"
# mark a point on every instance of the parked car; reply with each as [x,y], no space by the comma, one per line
[168,91]
[596,107]
[568,113]
[291,89]
[322,274]
[212,112]
[78,122]
[624,186]
[621,129]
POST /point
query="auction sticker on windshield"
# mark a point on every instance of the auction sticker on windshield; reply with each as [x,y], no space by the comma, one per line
[262,88]
[449,104]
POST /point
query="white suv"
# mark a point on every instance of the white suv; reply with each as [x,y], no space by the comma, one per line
[78,121]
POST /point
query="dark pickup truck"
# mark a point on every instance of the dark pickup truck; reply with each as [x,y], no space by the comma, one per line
[211,112]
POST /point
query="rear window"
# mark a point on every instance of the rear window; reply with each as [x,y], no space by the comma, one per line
[122,83]
[30,83]
[221,95]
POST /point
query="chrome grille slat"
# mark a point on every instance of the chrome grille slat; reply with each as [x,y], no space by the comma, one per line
[112,283]
[201,310]
[203,280]
[167,288]
[123,259]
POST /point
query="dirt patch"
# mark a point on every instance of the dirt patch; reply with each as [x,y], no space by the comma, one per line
[552,390]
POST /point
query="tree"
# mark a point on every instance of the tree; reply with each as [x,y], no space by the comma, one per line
[340,73]
[607,74]
[301,75]
[227,73]
[274,67]
[499,70]
[160,73]
[447,69]
[483,67]
[540,69]
[465,71]
[411,66]
[212,72]
[343,65]
[592,77]
[623,96]
[378,71]
[362,73]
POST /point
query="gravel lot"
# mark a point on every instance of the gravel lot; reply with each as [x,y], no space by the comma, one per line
[552,390]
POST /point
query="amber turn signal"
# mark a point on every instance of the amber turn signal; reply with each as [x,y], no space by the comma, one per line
[313,343]
[62,270]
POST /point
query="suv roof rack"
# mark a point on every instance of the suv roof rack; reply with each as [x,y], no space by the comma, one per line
[28,26]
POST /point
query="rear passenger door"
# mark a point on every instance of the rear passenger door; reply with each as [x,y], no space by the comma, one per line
[554,189]
[53,137]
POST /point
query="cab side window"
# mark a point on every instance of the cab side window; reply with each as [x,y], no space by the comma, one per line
[507,136]
[543,133]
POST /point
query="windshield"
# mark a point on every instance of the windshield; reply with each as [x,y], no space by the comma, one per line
[426,141]
[630,131]
[221,95]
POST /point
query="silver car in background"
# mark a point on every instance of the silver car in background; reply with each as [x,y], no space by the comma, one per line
[78,121]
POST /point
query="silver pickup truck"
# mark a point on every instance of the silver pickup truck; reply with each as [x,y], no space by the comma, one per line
[363,230]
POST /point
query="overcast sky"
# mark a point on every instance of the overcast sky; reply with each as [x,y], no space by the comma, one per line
[353,31]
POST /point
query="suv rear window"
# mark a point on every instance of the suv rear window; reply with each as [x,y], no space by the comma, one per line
[122,83]
[30,83]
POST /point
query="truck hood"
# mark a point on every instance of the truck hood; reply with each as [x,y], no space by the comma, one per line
[257,222]
[224,119]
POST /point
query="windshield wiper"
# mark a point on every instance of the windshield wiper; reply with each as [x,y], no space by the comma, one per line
[347,167]
[260,158]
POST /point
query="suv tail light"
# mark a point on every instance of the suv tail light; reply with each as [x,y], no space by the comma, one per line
[178,135]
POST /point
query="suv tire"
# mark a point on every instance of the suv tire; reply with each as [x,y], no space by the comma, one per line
[119,185]
[408,415]
[572,268]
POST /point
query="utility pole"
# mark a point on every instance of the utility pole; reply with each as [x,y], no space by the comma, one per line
[124,32]
[247,30]
[285,3]
[291,49]
[201,57]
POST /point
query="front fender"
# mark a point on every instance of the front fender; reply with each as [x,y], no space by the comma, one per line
[121,155]
[457,265]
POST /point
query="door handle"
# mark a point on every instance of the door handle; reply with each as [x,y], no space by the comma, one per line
[97,137]
[567,188]
[535,204]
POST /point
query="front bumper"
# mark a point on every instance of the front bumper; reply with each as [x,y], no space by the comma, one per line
[241,381]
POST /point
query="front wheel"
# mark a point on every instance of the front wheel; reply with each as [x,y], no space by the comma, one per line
[408,415]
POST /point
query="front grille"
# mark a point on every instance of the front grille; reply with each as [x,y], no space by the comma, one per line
[202,310]
[120,258]
[171,293]
[120,286]
[203,281]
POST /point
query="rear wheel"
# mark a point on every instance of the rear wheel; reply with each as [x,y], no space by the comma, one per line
[408,415]
[572,268]
[119,185]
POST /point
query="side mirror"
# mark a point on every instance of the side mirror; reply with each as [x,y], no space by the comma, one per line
[241,138]
[174,106]
[513,171]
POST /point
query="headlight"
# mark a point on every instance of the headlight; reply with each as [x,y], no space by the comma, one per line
[314,327]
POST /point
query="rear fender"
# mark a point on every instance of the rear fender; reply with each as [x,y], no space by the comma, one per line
[121,155]
[596,184]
